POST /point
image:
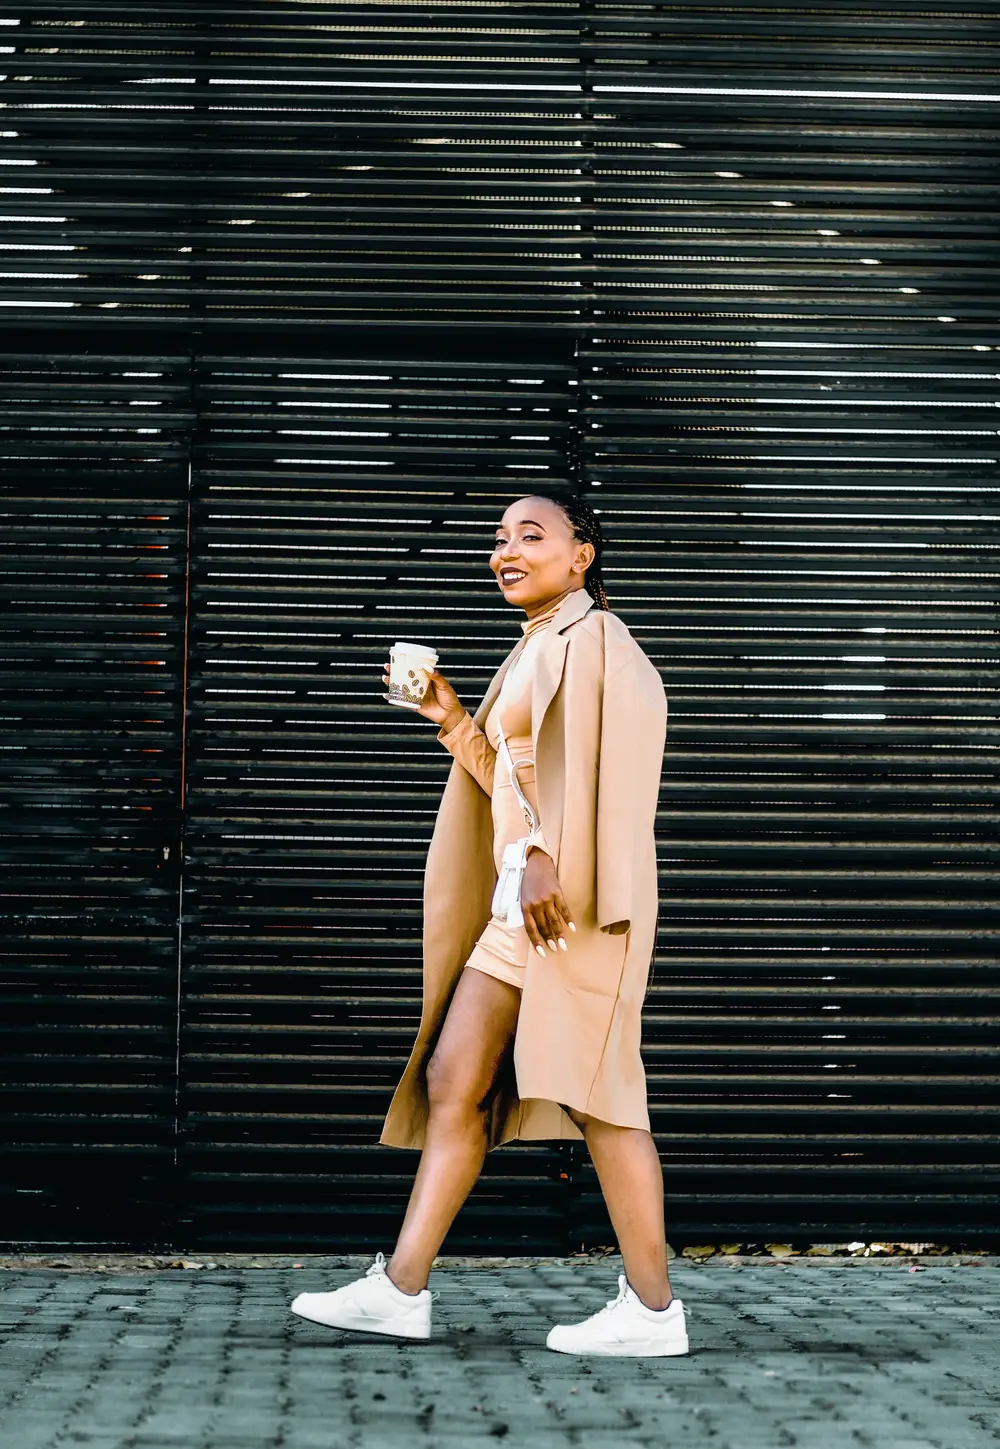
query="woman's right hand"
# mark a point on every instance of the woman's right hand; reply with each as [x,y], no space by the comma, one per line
[440,704]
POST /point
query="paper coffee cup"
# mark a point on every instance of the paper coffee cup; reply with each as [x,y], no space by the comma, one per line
[409,666]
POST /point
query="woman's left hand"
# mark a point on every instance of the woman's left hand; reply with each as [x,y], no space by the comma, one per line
[543,905]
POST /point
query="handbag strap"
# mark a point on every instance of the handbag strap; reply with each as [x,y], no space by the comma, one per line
[512,767]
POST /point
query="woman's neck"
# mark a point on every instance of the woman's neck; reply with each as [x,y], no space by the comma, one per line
[550,604]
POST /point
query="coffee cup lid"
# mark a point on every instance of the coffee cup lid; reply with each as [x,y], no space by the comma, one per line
[415,648]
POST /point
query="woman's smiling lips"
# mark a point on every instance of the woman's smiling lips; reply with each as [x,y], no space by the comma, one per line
[504,583]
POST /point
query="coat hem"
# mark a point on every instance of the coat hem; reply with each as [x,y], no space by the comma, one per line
[576,1135]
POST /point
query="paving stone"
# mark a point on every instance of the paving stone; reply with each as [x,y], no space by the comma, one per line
[843,1358]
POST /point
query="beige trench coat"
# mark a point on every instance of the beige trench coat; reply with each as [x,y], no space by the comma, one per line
[599,718]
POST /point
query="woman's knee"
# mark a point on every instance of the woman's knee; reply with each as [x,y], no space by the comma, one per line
[452,1088]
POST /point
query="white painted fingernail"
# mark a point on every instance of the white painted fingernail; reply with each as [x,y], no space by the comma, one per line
[552,945]
[571,926]
[562,944]
[540,950]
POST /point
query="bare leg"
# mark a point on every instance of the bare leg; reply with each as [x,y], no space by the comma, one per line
[628,1168]
[477,1034]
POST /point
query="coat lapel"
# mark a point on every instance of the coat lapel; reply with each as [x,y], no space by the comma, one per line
[552,656]
[549,665]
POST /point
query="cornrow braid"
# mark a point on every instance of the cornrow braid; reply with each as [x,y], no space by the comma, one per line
[586,527]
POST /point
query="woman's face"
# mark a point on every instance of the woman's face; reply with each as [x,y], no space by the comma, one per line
[535,540]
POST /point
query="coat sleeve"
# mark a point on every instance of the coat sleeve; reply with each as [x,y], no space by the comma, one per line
[633,729]
[473,751]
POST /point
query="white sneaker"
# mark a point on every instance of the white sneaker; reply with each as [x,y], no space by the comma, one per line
[625,1328]
[373,1304]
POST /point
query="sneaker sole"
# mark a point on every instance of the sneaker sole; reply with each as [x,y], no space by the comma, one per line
[388,1328]
[644,1348]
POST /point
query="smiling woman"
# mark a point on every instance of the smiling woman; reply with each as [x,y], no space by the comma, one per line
[532,1030]
[543,539]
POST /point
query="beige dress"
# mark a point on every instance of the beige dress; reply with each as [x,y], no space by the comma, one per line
[502,950]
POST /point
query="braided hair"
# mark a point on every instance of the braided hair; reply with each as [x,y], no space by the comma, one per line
[586,527]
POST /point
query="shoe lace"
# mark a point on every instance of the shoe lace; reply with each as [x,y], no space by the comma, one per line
[613,1303]
[378,1270]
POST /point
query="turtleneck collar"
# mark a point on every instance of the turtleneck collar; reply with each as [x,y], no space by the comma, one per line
[540,620]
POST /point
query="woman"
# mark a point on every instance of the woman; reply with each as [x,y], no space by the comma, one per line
[512,1045]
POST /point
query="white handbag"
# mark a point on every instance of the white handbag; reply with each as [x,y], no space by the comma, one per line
[506,904]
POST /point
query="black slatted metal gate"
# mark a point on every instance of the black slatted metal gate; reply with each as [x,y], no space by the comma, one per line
[92,588]
[297,302]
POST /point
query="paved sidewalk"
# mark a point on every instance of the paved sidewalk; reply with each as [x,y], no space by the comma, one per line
[852,1355]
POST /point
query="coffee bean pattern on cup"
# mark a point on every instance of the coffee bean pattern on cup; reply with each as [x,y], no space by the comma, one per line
[409,666]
